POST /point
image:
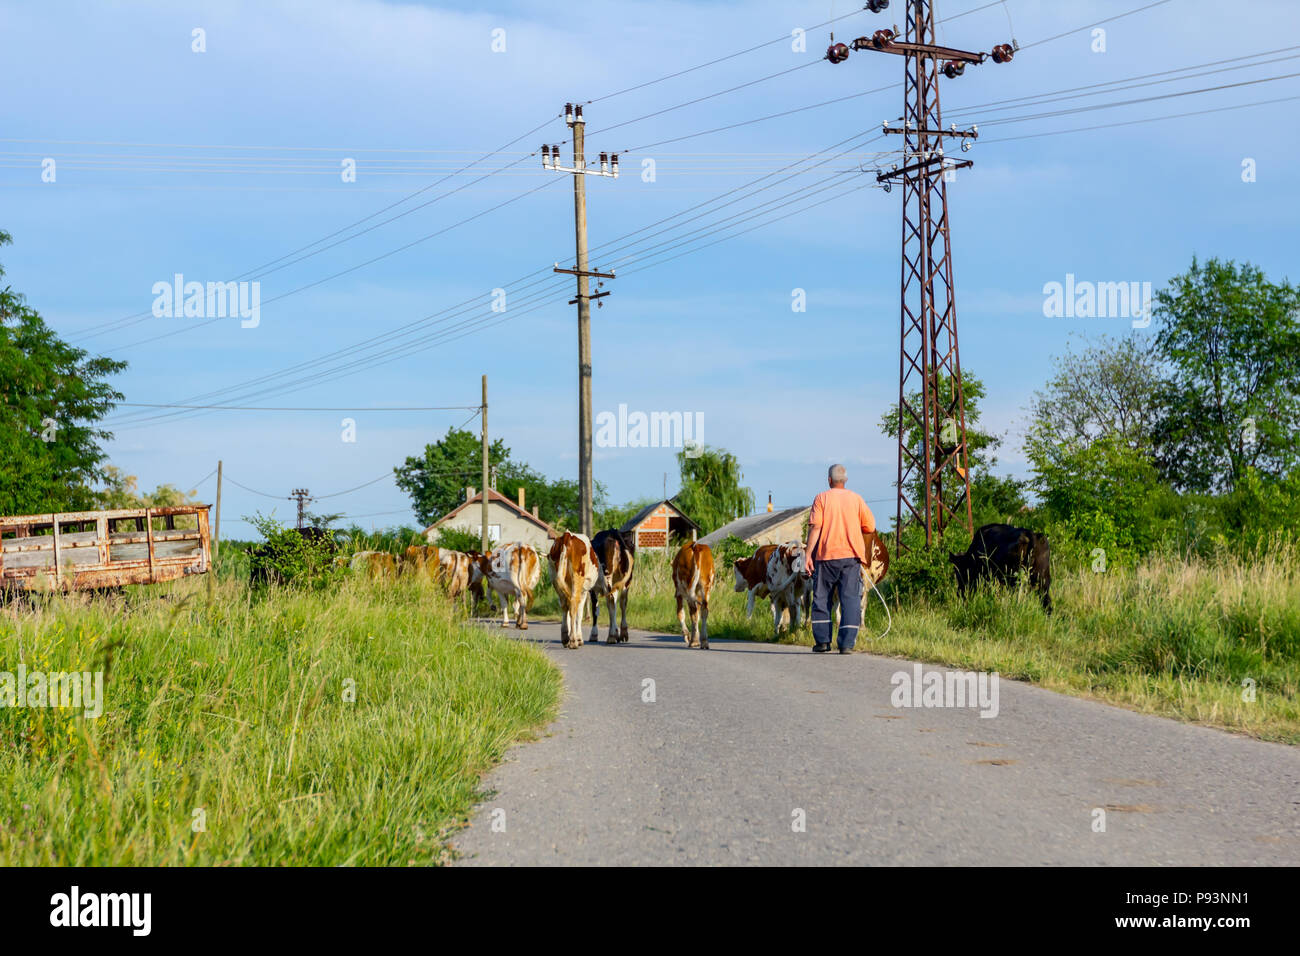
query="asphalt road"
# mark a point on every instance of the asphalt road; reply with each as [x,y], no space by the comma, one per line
[745,741]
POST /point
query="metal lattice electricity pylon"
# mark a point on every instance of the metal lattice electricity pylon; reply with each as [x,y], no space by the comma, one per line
[929,359]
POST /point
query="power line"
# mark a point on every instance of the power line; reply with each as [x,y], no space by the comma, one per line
[1119,16]
[1137,122]
[260,408]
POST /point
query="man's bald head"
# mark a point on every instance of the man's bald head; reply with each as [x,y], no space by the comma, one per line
[836,475]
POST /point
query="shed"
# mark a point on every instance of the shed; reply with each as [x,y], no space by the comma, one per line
[766,527]
[508,520]
[655,525]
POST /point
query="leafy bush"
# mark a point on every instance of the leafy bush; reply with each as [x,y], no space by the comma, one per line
[728,550]
[287,557]
[458,539]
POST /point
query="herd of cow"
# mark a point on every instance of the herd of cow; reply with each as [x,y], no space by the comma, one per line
[585,570]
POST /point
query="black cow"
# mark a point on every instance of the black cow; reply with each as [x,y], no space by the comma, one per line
[616,553]
[1001,551]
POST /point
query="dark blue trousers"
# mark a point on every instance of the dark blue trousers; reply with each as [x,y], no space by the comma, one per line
[845,576]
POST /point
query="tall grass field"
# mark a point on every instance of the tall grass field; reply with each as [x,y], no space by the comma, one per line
[342,726]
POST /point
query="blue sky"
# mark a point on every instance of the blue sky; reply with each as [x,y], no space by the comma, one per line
[417,87]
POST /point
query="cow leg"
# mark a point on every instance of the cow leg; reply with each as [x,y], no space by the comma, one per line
[622,628]
[749,606]
[524,600]
[579,615]
[704,623]
[776,619]
[681,619]
[594,637]
[611,605]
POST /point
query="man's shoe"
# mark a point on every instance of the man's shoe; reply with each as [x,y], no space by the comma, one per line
[846,650]
[821,648]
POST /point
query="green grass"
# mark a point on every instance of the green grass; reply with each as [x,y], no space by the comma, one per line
[1167,636]
[241,713]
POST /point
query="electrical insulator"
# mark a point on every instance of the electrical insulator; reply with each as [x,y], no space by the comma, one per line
[875,6]
[577,114]
[881,38]
[965,145]
[614,162]
[837,53]
[953,69]
[568,113]
[604,163]
[546,157]
[1002,53]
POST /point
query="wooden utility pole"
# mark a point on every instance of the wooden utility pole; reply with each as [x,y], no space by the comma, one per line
[215,540]
[216,534]
[929,358]
[483,543]
[551,160]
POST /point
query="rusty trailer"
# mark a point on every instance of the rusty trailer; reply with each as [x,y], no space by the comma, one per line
[79,550]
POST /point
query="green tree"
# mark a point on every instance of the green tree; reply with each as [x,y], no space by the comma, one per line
[51,397]
[1231,341]
[980,445]
[712,493]
[436,480]
[1109,388]
[120,491]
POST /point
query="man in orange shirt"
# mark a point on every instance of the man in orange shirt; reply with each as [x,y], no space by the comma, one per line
[837,551]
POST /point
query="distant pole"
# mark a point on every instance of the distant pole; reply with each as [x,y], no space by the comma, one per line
[608,167]
[303,496]
[216,536]
[484,537]
[215,540]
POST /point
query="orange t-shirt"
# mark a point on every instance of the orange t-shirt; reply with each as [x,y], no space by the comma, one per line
[842,516]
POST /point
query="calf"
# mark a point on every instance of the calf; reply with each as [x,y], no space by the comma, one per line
[616,553]
[692,582]
[751,575]
[512,571]
[1000,552]
[788,584]
[574,569]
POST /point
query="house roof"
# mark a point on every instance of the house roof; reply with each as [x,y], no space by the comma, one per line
[645,512]
[753,525]
[495,496]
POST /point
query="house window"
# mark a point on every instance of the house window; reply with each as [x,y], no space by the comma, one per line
[494,533]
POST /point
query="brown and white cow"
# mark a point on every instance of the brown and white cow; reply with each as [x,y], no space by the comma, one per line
[480,566]
[376,564]
[788,585]
[751,575]
[453,571]
[874,570]
[692,582]
[419,559]
[574,569]
[616,553]
[512,572]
